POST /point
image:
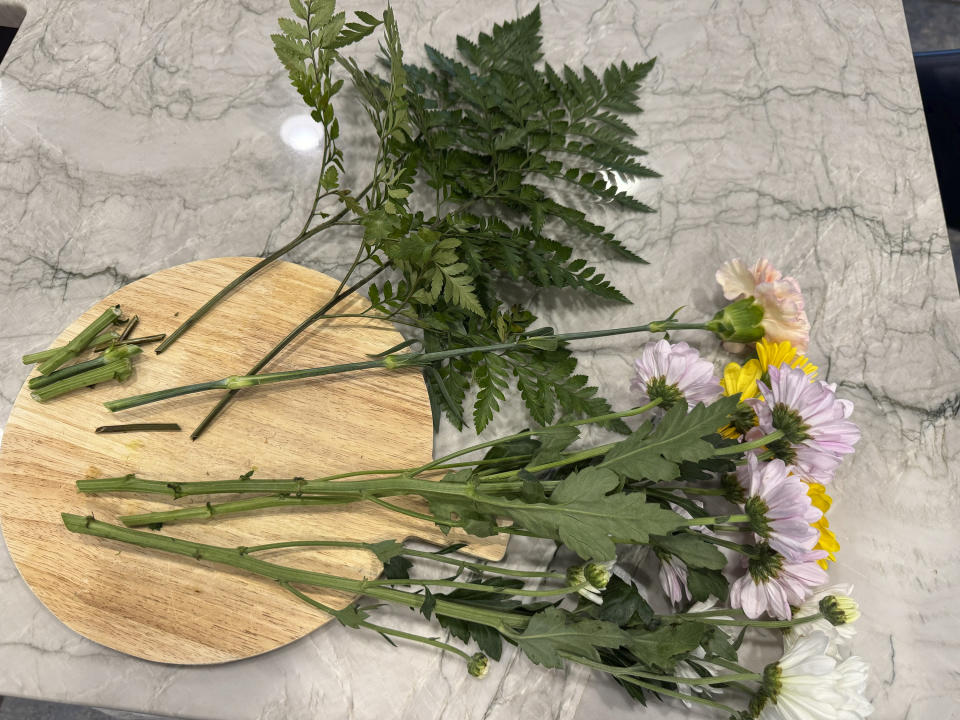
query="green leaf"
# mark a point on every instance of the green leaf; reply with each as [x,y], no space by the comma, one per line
[330,178]
[488,640]
[704,584]
[351,616]
[429,603]
[553,632]
[660,648]
[298,9]
[581,515]
[293,29]
[623,604]
[397,568]
[655,453]
[717,643]
[386,550]
[459,289]
[693,550]
[553,441]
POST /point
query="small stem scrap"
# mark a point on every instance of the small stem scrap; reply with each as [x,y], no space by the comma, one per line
[81,342]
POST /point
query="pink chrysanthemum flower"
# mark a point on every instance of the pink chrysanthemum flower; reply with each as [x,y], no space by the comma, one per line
[675,373]
[779,507]
[783,314]
[773,583]
[816,431]
[673,578]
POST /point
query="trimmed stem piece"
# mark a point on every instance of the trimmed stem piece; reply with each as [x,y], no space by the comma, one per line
[81,342]
[117,370]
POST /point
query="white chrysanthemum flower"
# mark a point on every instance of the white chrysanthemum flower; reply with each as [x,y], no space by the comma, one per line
[808,684]
[854,672]
[839,636]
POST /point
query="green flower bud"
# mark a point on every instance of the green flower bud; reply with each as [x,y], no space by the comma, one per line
[576,576]
[739,321]
[839,609]
[597,574]
[478,664]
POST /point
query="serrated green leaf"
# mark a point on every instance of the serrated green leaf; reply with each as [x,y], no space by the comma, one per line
[351,616]
[662,647]
[553,441]
[397,568]
[293,29]
[386,550]
[655,453]
[429,603]
[581,515]
[704,584]
[623,604]
[693,550]
[552,633]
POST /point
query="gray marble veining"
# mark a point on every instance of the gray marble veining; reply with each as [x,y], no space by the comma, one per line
[138,135]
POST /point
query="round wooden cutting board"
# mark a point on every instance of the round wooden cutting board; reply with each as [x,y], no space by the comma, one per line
[177,610]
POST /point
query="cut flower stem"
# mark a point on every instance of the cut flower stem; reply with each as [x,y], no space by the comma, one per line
[235,382]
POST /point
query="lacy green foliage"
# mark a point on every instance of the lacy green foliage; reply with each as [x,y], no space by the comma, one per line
[492,136]
[496,128]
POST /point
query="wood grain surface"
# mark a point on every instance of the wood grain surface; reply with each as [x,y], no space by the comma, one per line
[177,610]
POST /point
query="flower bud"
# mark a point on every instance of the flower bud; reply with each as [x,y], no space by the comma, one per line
[478,664]
[738,322]
[575,575]
[597,574]
[590,579]
[839,609]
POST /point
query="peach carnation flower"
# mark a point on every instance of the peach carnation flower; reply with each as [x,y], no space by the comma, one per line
[780,297]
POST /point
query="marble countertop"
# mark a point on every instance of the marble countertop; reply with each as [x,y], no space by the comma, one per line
[142,134]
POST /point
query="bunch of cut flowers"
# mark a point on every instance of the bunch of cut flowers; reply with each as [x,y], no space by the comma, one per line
[724,482]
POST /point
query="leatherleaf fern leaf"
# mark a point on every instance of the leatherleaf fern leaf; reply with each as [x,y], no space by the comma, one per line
[477,158]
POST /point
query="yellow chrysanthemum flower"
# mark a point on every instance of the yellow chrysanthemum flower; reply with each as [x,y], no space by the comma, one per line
[771,354]
[741,379]
[828,541]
